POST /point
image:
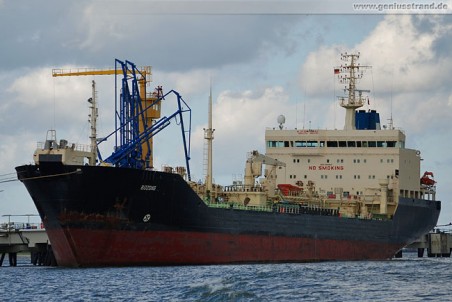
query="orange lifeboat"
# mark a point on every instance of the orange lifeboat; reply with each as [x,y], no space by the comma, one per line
[427,179]
[288,189]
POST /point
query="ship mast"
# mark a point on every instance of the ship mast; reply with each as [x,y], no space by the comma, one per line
[208,136]
[351,74]
[92,120]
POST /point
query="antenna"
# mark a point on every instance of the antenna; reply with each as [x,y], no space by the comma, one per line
[304,113]
[296,114]
[391,122]
[351,74]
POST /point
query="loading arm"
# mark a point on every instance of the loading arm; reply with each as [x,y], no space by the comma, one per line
[256,157]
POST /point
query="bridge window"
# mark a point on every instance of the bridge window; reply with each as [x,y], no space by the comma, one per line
[312,144]
[309,144]
[277,144]
[331,143]
[391,144]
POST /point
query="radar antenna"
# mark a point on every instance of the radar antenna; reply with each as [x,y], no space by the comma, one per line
[281,120]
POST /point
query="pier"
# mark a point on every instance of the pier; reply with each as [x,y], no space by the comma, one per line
[25,237]
[437,244]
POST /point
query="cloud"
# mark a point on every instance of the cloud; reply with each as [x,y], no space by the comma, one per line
[317,71]
[35,33]
[186,82]
[406,70]
[89,33]
[403,53]
[240,120]
[49,102]
[11,146]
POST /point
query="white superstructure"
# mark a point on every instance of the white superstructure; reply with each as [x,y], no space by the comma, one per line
[362,162]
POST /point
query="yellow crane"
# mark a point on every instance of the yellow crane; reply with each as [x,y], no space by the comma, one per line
[151,114]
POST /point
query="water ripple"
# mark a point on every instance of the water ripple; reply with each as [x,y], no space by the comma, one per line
[407,279]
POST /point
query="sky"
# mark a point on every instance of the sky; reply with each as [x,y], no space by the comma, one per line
[262,59]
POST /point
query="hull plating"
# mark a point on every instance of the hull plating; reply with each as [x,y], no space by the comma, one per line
[99,216]
[120,248]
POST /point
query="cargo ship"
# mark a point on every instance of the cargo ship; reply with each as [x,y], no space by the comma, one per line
[314,195]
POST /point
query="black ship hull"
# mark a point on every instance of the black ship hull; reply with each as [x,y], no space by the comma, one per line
[105,216]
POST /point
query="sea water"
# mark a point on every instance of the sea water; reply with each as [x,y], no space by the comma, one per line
[406,279]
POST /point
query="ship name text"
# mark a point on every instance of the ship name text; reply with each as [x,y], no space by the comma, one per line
[148,188]
[308,131]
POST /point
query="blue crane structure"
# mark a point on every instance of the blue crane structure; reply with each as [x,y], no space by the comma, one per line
[130,111]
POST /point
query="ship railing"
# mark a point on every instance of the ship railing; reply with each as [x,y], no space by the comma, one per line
[301,209]
[15,226]
[279,208]
[12,226]
[237,206]
[346,101]
[243,188]
[428,188]
[297,210]
[73,146]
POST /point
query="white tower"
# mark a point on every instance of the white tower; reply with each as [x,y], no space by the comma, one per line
[93,123]
[208,136]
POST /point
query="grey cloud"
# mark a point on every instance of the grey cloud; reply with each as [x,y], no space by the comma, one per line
[55,33]
[443,46]
[423,24]
[33,32]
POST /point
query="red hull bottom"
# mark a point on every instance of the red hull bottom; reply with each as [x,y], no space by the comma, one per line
[78,247]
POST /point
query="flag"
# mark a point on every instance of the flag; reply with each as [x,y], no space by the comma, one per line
[336,71]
